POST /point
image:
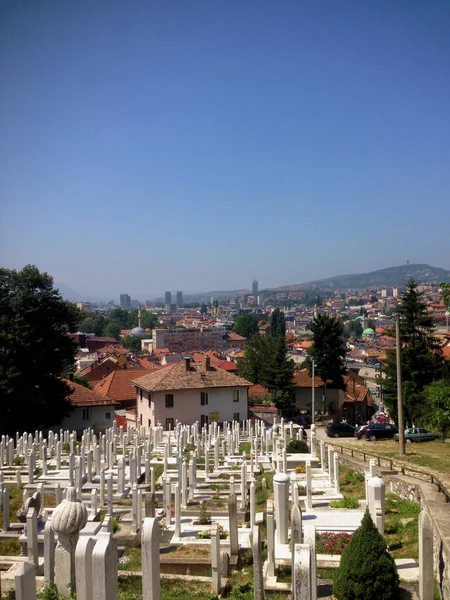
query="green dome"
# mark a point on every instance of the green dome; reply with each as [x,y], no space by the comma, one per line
[369,331]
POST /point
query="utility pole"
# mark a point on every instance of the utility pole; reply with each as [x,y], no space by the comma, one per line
[398,355]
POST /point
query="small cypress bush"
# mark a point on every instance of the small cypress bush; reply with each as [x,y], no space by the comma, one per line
[297,447]
[367,571]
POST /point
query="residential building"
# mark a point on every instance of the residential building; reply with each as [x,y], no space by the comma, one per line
[89,409]
[188,340]
[117,386]
[188,393]
[125,301]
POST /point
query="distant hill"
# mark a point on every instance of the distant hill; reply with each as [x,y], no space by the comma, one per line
[390,277]
[69,294]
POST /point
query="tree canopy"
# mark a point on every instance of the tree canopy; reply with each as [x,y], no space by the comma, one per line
[328,349]
[437,396]
[277,324]
[445,294]
[35,350]
[354,329]
[421,358]
[266,362]
[245,325]
[131,342]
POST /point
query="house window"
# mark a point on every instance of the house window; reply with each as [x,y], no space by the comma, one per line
[86,414]
[149,423]
[204,420]
[235,416]
[235,395]
[169,424]
[140,394]
[108,416]
[140,419]
[169,400]
[203,398]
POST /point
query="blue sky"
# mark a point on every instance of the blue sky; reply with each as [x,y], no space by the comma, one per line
[196,144]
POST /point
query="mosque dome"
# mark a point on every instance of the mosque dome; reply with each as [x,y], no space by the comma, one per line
[138,331]
[368,331]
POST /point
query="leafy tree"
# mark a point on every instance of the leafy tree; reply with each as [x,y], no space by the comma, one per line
[93,324]
[327,351]
[148,319]
[421,357]
[278,324]
[354,329]
[113,329]
[445,294]
[266,362]
[257,352]
[366,570]
[35,350]
[121,316]
[132,342]
[245,325]
[437,395]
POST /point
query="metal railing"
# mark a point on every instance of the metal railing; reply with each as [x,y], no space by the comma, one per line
[382,461]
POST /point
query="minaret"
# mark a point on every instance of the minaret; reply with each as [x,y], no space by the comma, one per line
[139,314]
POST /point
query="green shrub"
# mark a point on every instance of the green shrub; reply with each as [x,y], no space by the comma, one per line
[345,502]
[367,570]
[297,447]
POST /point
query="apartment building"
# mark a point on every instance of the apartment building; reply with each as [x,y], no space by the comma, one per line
[188,340]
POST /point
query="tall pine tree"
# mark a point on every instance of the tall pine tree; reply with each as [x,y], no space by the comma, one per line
[421,358]
[327,351]
[277,324]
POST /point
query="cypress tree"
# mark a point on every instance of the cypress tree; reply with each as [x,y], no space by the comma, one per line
[367,571]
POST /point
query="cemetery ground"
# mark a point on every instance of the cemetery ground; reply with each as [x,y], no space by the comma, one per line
[235,513]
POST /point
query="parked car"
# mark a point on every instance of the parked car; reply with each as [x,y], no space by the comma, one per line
[337,430]
[380,431]
[417,434]
[359,433]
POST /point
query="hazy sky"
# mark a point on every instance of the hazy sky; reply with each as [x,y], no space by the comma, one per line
[196,144]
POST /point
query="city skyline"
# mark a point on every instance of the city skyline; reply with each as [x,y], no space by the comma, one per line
[200,143]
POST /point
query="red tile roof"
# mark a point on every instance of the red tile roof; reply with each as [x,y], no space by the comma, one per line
[82,396]
[258,391]
[117,385]
[176,377]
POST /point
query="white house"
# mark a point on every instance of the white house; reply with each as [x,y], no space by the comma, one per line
[90,409]
[190,392]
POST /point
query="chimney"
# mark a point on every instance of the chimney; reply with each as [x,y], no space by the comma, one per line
[207,363]
[187,362]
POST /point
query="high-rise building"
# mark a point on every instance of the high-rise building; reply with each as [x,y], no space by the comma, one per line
[125,301]
[168,298]
[179,299]
[255,287]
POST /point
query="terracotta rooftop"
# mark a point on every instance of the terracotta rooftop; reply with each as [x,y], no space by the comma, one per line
[82,396]
[117,385]
[303,380]
[258,391]
[235,337]
[177,377]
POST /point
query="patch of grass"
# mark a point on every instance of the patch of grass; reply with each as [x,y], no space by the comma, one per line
[135,559]
[345,502]
[284,574]
[351,483]
[9,547]
[15,502]
[245,447]
[401,527]
[326,573]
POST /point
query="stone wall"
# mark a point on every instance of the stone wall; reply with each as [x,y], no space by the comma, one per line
[427,495]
